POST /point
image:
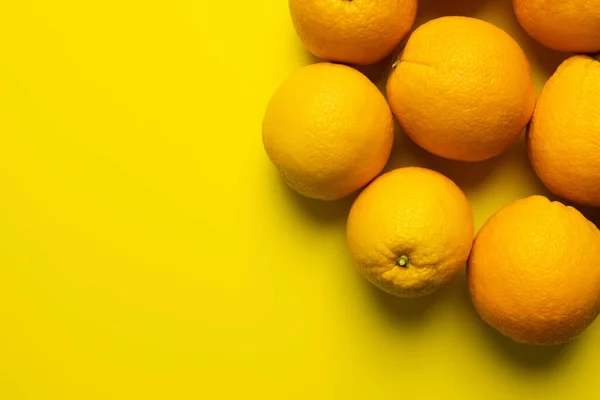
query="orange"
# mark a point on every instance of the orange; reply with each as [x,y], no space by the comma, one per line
[534,271]
[564,136]
[352,31]
[410,231]
[565,25]
[462,89]
[328,130]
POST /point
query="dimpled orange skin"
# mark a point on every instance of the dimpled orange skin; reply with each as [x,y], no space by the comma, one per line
[462,89]
[416,215]
[534,271]
[328,130]
[564,136]
[352,31]
[564,25]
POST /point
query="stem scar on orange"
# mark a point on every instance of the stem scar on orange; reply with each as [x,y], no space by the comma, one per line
[410,231]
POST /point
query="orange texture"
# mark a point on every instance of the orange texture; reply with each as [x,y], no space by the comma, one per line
[410,231]
[462,89]
[328,130]
[564,137]
[564,25]
[352,31]
[534,271]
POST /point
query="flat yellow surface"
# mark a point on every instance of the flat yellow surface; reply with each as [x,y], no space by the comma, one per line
[148,249]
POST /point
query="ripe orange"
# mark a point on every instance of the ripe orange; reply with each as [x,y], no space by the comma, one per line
[533,272]
[568,25]
[462,89]
[352,31]
[328,130]
[410,231]
[564,136]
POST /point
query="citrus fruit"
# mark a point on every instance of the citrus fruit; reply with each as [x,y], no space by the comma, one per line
[462,89]
[564,136]
[410,231]
[328,130]
[352,31]
[534,271]
[567,25]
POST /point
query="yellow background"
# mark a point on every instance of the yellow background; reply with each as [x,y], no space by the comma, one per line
[149,250]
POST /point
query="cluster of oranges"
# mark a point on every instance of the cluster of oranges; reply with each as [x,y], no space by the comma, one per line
[461,89]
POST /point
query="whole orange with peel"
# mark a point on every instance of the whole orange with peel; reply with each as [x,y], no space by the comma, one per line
[564,25]
[352,31]
[328,130]
[462,89]
[410,231]
[534,271]
[564,136]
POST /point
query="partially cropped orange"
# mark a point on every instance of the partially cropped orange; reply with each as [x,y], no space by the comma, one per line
[534,271]
[352,31]
[328,130]
[410,231]
[462,89]
[564,25]
[564,136]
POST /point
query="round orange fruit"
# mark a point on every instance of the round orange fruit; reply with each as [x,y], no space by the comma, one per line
[352,31]
[328,130]
[410,231]
[564,25]
[462,89]
[564,136]
[534,271]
